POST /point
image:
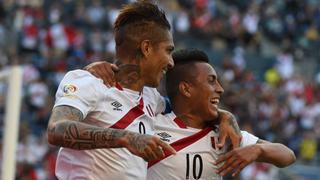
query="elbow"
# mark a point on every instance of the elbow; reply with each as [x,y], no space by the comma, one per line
[292,158]
[51,131]
[51,140]
[288,161]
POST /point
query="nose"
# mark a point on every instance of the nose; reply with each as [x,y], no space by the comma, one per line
[171,63]
[219,89]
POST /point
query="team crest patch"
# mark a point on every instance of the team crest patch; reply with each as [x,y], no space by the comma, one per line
[69,89]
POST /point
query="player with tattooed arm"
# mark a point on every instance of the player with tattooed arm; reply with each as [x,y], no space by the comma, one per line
[101,129]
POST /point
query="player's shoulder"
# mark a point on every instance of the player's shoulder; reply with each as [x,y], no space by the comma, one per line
[83,77]
[150,92]
[82,82]
[79,73]
[166,120]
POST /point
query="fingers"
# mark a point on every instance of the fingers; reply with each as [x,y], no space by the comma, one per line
[159,152]
[154,151]
[231,167]
[235,140]
[93,72]
[104,71]
[226,164]
[166,147]
[223,158]
[109,77]
[114,67]
[150,154]
[92,65]
[149,148]
[105,74]
[241,166]
[222,140]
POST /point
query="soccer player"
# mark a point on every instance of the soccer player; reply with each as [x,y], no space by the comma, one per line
[101,129]
[194,91]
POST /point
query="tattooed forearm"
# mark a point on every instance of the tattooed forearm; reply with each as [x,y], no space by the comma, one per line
[66,130]
[77,135]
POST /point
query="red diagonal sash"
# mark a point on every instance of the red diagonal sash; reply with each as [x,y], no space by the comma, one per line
[182,143]
[131,115]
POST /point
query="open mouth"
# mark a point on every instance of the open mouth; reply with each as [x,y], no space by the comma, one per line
[215,102]
[164,71]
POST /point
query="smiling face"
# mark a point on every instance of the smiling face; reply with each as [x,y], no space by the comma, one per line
[205,92]
[157,61]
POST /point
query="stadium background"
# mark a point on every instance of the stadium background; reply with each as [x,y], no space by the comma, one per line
[266,53]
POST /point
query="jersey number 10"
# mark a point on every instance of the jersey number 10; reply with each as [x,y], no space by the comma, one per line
[196,162]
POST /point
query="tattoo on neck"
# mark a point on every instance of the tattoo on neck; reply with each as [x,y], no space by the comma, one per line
[128,74]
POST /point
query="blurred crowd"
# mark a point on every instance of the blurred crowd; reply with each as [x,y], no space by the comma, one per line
[48,38]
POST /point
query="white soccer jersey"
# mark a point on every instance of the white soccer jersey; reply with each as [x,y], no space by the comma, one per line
[106,107]
[196,151]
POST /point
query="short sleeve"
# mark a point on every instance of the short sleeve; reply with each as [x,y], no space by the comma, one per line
[78,89]
[248,139]
[156,98]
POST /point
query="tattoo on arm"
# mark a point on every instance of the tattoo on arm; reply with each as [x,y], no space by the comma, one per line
[67,129]
[65,113]
[83,136]
[233,122]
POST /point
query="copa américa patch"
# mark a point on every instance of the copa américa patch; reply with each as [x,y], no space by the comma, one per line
[69,89]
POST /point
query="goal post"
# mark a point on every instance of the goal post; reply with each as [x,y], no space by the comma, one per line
[11,124]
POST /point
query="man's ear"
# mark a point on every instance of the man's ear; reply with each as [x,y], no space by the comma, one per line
[185,89]
[145,47]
